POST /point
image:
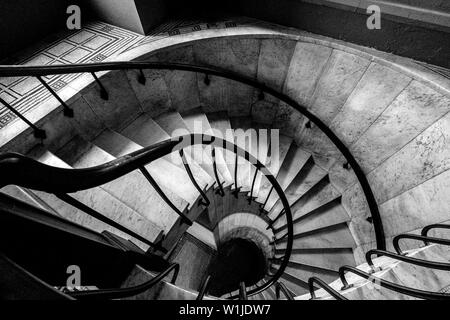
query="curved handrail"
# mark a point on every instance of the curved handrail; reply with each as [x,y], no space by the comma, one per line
[325,286]
[400,257]
[280,287]
[422,294]
[434,226]
[426,240]
[39,71]
[28,173]
[127,292]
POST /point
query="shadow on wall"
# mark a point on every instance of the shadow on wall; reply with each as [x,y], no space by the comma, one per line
[25,22]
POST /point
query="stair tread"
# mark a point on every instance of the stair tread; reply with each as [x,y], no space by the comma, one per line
[197,122]
[292,164]
[99,200]
[338,236]
[172,179]
[246,138]
[220,122]
[274,165]
[307,177]
[27,197]
[174,125]
[325,260]
[304,272]
[164,290]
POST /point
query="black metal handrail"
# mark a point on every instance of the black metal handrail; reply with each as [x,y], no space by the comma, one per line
[280,287]
[401,257]
[324,286]
[28,173]
[425,240]
[39,71]
[434,226]
[105,294]
[421,294]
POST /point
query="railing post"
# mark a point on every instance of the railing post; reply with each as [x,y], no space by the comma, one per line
[93,213]
[204,288]
[38,133]
[103,93]
[67,111]
[205,201]
[155,185]
[219,183]
[141,77]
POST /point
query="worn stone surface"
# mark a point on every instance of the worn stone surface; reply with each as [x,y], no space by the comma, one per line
[307,64]
[423,158]
[274,60]
[341,74]
[373,94]
[414,110]
[236,55]
[154,96]
[292,164]
[425,204]
[288,120]
[121,108]
[182,85]
[334,237]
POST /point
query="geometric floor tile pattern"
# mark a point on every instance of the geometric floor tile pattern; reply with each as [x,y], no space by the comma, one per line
[95,42]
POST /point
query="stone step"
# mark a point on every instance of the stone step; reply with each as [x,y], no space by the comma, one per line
[172,179]
[265,138]
[292,164]
[331,213]
[27,197]
[247,139]
[322,193]
[308,176]
[276,159]
[164,290]
[135,190]
[322,258]
[303,272]
[220,123]
[99,200]
[197,122]
[337,236]
[293,284]
[174,125]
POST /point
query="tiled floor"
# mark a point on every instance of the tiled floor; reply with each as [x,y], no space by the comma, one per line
[93,43]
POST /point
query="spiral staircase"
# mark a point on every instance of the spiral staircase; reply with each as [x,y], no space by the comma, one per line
[216,153]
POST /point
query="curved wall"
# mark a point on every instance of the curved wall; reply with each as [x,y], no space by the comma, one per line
[390,112]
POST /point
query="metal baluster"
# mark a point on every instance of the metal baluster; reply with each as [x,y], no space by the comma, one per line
[141,77]
[265,202]
[213,153]
[103,93]
[93,213]
[154,184]
[204,288]
[250,198]
[67,111]
[38,133]
[205,201]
